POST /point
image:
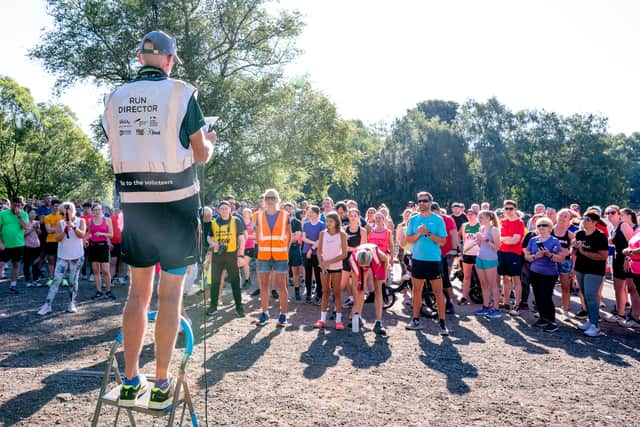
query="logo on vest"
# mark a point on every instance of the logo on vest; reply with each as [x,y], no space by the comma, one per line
[153,121]
[153,132]
[140,122]
[125,132]
[124,123]
[140,132]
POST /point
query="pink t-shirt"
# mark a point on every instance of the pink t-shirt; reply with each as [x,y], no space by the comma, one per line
[634,243]
[509,228]
[380,239]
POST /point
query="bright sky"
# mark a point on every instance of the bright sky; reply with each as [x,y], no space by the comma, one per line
[377,58]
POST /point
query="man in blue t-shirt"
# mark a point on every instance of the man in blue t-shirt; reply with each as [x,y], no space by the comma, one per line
[427,232]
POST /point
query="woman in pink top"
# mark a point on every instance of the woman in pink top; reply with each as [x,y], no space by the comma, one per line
[249,247]
[632,253]
[332,249]
[99,233]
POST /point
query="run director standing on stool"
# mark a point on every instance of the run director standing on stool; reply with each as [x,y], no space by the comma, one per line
[154,126]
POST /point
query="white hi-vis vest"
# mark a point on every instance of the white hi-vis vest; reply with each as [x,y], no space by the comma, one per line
[142,120]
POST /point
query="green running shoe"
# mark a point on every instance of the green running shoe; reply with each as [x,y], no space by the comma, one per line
[129,393]
[162,397]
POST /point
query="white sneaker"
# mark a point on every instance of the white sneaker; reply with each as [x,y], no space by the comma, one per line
[593,331]
[71,308]
[192,291]
[614,318]
[30,285]
[45,309]
[91,278]
[629,323]
[584,326]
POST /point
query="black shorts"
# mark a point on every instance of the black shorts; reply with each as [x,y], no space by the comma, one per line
[115,250]
[346,264]
[165,233]
[51,248]
[509,264]
[12,254]
[446,282]
[618,267]
[295,255]
[469,259]
[426,270]
[98,252]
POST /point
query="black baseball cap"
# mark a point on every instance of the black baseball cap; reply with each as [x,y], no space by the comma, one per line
[163,44]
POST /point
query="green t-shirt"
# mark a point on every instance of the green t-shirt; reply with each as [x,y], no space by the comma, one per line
[12,232]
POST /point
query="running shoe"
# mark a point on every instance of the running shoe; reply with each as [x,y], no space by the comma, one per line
[97,296]
[211,311]
[443,331]
[550,327]
[339,326]
[274,294]
[585,326]
[319,324]
[493,314]
[614,318]
[45,309]
[255,293]
[71,308]
[298,296]
[630,322]
[13,290]
[540,323]
[348,303]
[379,329]
[240,311]
[413,325]
[129,393]
[264,318]
[308,300]
[162,394]
[317,301]
[40,283]
[282,321]
[65,283]
[449,308]
[30,284]
[49,282]
[110,295]
[582,314]
[483,311]
[593,331]
[91,278]
[515,311]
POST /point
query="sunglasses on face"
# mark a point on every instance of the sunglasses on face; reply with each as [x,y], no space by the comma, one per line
[508,208]
[424,201]
[542,225]
[586,219]
[270,198]
[611,212]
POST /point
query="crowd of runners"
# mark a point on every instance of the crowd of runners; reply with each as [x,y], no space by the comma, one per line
[337,257]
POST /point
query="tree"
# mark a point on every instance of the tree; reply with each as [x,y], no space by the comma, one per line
[42,150]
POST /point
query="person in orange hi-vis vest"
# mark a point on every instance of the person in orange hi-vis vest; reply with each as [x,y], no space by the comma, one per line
[273,234]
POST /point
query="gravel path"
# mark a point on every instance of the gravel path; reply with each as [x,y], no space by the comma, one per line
[488,372]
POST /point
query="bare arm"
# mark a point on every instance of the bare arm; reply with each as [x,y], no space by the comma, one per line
[202,145]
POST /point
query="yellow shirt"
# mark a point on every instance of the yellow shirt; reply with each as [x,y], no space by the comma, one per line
[52,221]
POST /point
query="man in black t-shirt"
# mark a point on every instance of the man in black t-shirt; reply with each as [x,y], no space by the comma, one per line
[458,214]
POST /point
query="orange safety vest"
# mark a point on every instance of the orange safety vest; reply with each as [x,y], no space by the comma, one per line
[273,244]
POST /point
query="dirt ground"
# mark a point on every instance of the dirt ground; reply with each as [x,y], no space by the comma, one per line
[488,372]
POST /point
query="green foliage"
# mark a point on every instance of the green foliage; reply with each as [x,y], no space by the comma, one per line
[42,150]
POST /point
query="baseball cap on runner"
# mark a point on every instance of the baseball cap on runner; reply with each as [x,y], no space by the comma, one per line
[162,44]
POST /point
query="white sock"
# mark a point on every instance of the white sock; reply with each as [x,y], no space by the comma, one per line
[338,317]
[13,283]
[323,316]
